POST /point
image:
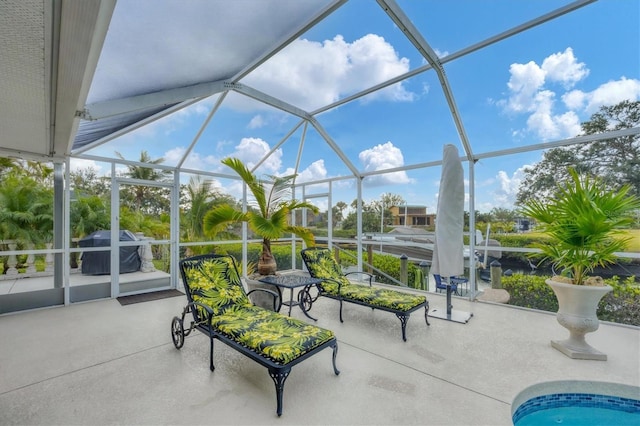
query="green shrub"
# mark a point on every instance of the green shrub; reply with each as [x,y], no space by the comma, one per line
[387,263]
[530,291]
[622,305]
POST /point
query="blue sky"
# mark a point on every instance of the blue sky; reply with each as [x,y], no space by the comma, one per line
[535,87]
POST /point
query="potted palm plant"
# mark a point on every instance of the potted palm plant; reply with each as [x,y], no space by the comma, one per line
[269,217]
[584,223]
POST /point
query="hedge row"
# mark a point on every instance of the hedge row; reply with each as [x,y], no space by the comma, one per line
[622,305]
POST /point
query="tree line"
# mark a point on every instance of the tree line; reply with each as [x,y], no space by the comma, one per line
[26,190]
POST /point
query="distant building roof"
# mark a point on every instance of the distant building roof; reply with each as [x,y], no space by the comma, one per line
[405,230]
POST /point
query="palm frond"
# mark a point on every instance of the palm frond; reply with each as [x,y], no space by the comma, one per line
[280,190]
[304,233]
[216,219]
[581,223]
[255,185]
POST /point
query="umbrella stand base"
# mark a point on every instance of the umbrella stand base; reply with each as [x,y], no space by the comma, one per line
[455,316]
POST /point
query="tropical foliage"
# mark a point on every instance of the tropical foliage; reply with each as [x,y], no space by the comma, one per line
[199,197]
[581,222]
[144,198]
[26,209]
[269,217]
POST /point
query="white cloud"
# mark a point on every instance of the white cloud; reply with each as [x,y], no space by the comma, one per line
[194,161]
[525,81]
[257,122]
[574,99]
[76,164]
[531,92]
[251,150]
[315,171]
[609,93]
[174,155]
[441,53]
[382,157]
[505,194]
[310,74]
[564,68]
[550,126]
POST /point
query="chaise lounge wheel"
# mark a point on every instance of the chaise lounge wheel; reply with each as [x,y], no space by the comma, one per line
[305,300]
[177,332]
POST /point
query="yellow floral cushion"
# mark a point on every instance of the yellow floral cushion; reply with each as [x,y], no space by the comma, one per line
[381,297]
[215,282]
[322,265]
[278,337]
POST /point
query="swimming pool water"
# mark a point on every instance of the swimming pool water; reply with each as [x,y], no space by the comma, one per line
[578,409]
[582,416]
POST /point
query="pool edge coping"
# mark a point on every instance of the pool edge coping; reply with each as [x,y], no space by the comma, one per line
[574,386]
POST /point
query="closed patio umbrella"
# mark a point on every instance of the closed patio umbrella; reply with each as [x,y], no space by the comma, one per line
[448,251]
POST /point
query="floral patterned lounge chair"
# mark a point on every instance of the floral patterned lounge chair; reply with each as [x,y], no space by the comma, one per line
[321,264]
[222,310]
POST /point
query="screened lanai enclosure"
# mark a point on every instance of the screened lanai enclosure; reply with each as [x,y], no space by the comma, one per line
[115,115]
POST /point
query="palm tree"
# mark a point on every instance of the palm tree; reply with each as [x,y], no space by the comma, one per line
[144,194]
[200,201]
[270,220]
[88,214]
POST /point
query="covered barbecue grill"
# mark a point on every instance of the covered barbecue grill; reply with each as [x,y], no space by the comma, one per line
[99,262]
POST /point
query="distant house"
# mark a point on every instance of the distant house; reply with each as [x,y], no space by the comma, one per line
[522,224]
[411,216]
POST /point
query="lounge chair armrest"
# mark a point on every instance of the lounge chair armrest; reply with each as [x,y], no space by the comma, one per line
[275,295]
[333,280]
[206,308]
[366,274]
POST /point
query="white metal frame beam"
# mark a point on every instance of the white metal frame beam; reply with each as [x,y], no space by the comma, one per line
[398,16]
[201,131]
[463,52]
[267,99]
[76,47]
[98,110]
[334,146]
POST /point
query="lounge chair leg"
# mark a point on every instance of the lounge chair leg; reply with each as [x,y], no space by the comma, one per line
[211,367]
[426,313]
[279,376]
[403,321]
[341,311]
[335,353]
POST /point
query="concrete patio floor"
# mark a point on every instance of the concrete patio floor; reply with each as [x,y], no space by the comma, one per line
[101,363]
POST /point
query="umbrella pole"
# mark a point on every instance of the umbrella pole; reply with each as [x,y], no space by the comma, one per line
[450,314]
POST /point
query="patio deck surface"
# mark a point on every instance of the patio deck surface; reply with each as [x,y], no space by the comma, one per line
[102,363]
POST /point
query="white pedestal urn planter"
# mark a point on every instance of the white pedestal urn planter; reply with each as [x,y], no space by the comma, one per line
[260,298]
[577,313]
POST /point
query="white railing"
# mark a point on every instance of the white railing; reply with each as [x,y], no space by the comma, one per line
[29,269]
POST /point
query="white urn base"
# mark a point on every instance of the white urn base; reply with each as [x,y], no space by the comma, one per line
[577,313]
[575,350]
